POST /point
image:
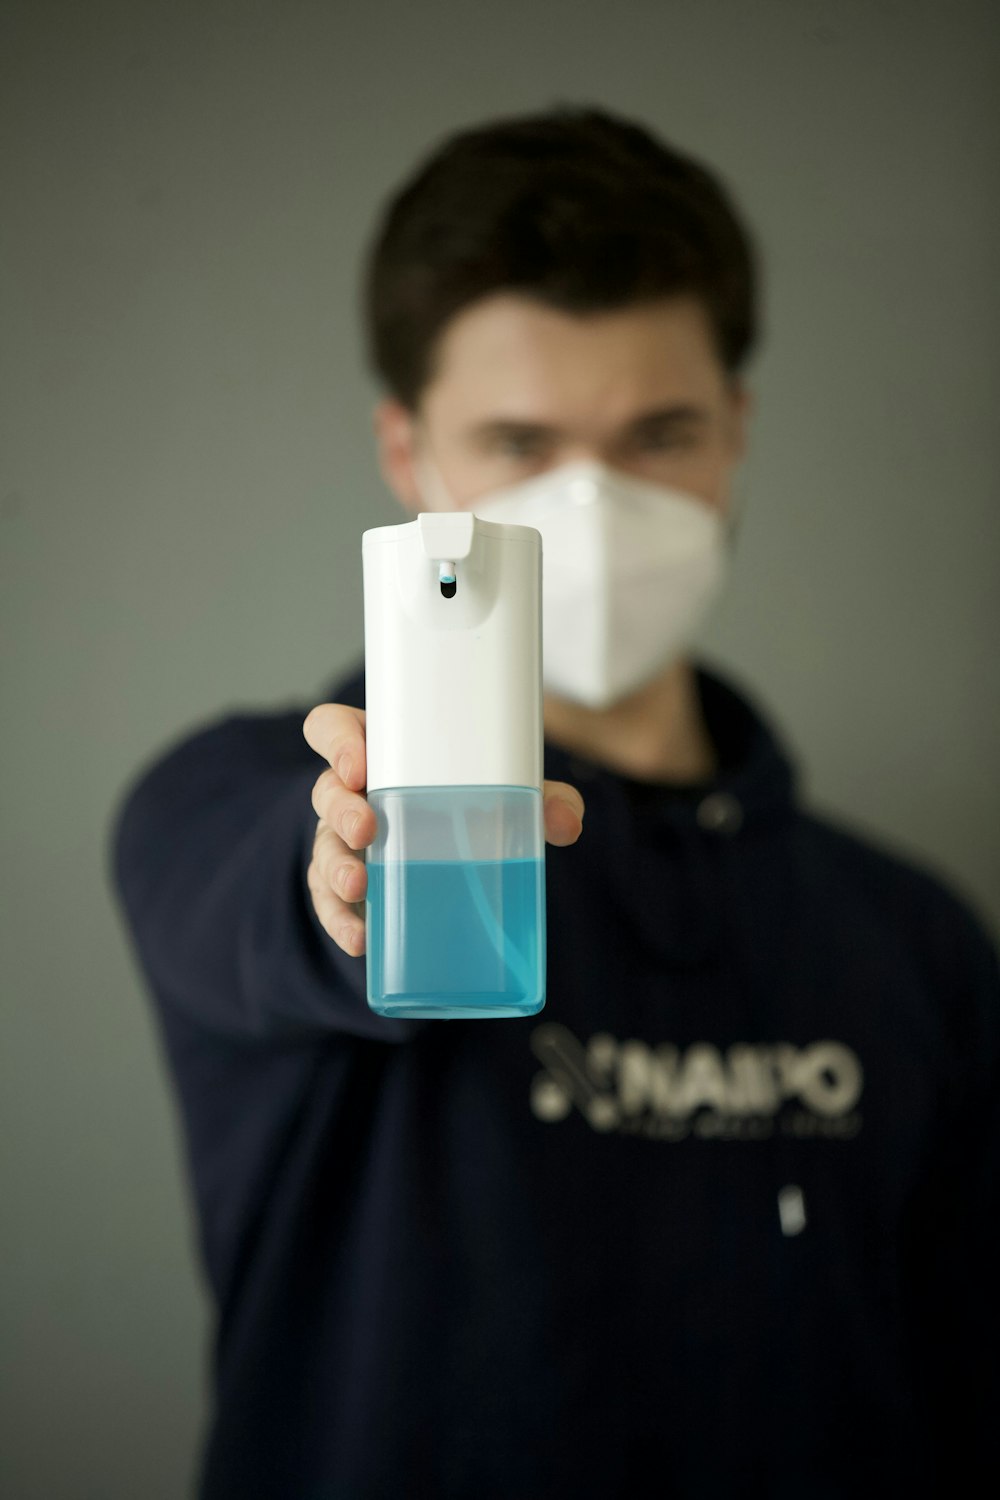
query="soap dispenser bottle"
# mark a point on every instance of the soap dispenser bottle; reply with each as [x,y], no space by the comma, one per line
[455,905]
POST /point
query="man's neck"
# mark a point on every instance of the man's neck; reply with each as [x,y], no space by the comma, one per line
[657,733]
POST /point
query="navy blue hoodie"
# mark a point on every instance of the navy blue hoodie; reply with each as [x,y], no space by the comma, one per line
[721,1219]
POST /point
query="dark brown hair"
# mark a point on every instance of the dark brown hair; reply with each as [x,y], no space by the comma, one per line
[576,207]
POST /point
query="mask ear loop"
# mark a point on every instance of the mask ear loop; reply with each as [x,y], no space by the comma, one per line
[738,500]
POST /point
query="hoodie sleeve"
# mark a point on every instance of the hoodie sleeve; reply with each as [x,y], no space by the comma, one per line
[209,852]
[958,1223]
[978,1173]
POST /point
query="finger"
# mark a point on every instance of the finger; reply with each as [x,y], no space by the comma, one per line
[345,927]
[337,732]
[343,871]
[564,810]
[341,915]
[348,813]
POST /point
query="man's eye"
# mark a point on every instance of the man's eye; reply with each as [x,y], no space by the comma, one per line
[663,441]
[519,445]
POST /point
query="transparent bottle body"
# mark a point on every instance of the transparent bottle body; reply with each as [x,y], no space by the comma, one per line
[455,906]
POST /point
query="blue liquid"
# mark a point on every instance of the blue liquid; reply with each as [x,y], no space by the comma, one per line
[456,938]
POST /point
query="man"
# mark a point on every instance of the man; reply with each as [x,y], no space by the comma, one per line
[721,1220]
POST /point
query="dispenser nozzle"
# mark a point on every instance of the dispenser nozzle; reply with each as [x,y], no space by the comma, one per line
[447,536]
[446,572]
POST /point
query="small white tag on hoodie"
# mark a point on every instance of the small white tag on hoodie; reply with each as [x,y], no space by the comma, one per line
[792,1209]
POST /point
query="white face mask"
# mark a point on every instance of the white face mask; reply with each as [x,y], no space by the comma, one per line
[629,569]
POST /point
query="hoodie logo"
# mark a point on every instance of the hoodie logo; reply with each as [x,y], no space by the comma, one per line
[671,1093]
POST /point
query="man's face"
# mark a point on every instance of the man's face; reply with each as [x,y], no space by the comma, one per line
[518,388]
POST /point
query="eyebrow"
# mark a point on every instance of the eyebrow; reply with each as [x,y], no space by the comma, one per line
[658,416]
[668,416]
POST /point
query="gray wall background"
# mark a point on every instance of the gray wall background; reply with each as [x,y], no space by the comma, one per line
[187,468]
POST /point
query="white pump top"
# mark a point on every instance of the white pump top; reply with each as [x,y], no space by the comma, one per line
[453,685]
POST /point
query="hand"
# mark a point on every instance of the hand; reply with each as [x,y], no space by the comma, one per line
[337,875]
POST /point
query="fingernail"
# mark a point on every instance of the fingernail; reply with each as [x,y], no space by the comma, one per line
[344,766]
